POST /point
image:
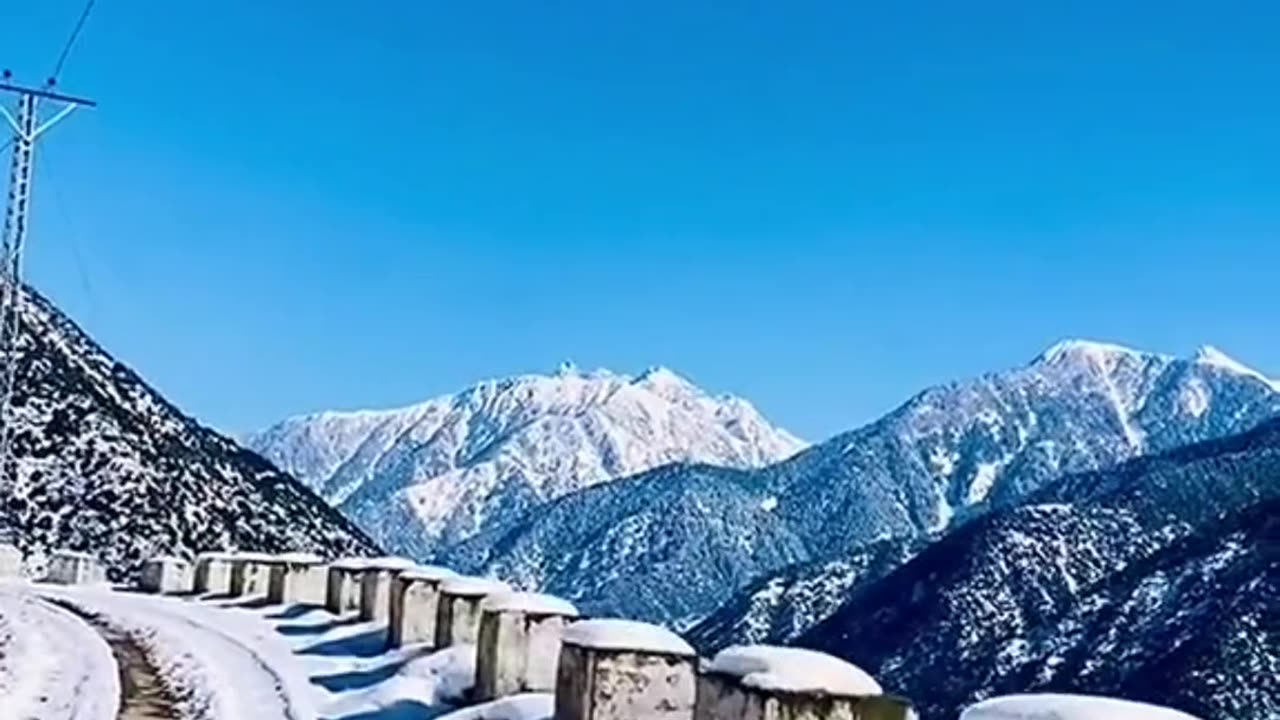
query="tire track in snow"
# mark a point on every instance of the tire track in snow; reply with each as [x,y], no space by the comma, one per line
[143,694]
[279,684]
[213,673]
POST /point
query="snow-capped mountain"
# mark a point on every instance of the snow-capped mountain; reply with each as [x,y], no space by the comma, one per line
[947,455]
[104,464]
[441,471]
[957,449]
[1157,580]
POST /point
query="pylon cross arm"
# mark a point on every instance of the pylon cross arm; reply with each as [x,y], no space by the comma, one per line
[13,123]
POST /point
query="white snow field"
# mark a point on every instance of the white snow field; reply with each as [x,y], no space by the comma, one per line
[226,660]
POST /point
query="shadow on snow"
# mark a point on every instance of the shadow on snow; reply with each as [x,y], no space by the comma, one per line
[289,612]
[399,710]
[319,628]
[365,644]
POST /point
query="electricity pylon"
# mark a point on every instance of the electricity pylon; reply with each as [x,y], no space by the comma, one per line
[27,128]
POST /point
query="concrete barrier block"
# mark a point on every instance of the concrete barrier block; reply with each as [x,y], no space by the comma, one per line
[621,670]
[458,614]
[298,578]
[519,644]
[69,567]
[166,575]
[213,573]
[375,586]
[250,573]
[342,586]
[415,603]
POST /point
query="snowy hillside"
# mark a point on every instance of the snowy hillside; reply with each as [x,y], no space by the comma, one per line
[949,453]
[779,607]
[448,468]
[661,545]
[1157,581]
[956,449]
[107,465]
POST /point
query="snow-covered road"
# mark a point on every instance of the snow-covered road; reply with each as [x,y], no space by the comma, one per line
[226,660]
[53,665]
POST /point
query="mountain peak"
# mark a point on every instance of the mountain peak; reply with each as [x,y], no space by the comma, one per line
[658,371]
[1075,349]
[676,388]
[659,376]
[1210,355]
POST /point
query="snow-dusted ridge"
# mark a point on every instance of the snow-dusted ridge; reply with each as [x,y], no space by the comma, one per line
[1076,348]
[1100,351]
[442,470]
[947,455]
[105,463]
[1210,355]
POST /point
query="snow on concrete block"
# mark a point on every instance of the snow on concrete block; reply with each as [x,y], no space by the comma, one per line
[68,567]
[767,667]
[415,604]
[519,644]
[10,561]
[458,614]
[213,573]
[613,634]
[1050,706]
[166,575]
[762,682]
[250,573]
[619,669]
[375,586]
[342,588]
[299,578]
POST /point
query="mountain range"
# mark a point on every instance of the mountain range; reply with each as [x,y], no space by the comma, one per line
[434,474]
[104,464]
[1157,580]
[948,455]
[1099,520]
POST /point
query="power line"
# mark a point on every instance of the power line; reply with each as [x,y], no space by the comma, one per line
[75,33]
[71,229]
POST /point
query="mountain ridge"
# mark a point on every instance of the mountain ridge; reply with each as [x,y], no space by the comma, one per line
[1115,581]
[443,470]
[949,453]
[106,464]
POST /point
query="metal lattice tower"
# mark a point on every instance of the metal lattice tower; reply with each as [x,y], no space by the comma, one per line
[27,129]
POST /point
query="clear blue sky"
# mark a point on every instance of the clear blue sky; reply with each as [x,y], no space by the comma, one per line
[824,207]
